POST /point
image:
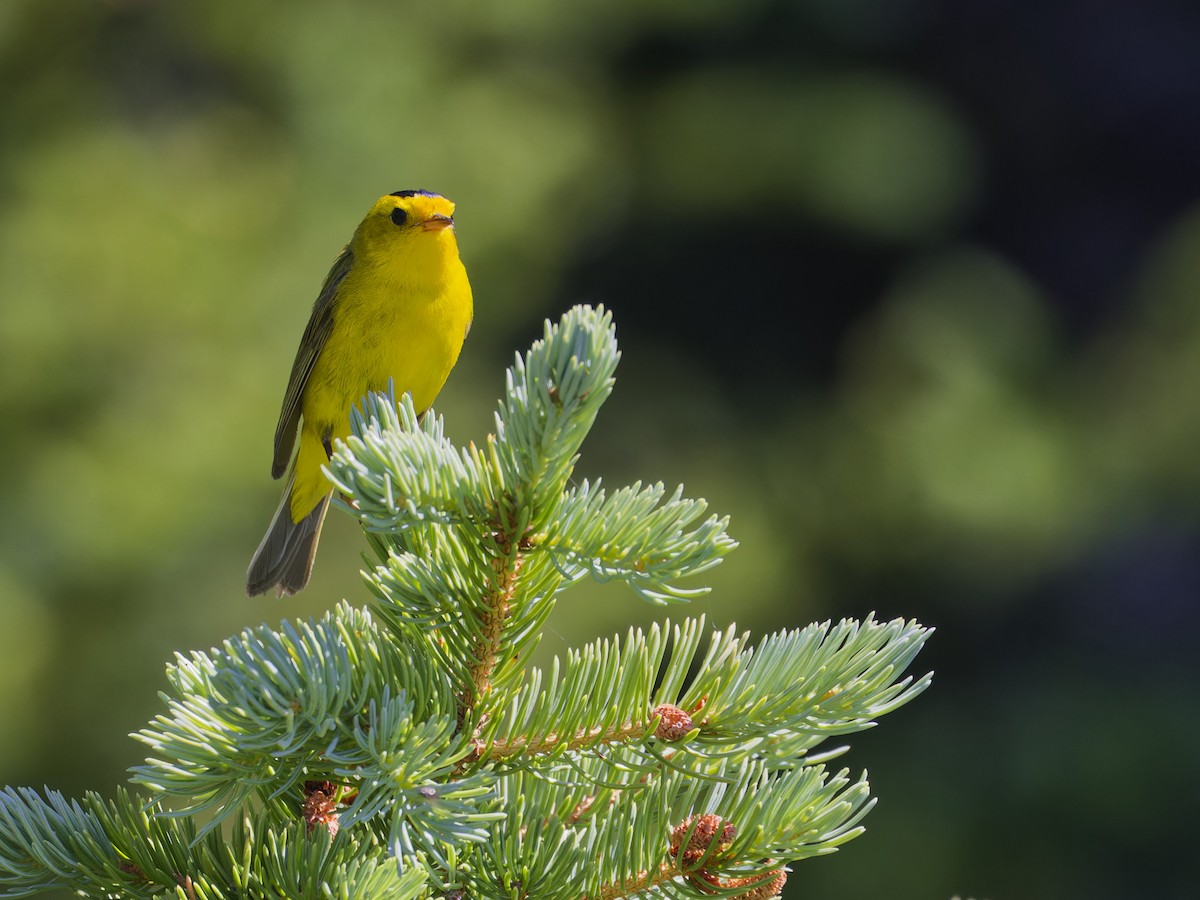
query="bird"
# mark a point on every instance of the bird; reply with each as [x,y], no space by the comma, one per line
[396,305]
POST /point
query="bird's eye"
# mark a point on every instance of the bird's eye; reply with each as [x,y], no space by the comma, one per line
[399,216]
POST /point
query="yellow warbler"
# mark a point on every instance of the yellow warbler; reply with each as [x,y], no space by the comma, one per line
[396,304]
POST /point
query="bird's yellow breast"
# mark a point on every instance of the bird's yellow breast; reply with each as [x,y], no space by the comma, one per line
[387,329]
[400,313]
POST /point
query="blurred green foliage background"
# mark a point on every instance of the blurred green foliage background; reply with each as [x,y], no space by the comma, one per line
[910,288]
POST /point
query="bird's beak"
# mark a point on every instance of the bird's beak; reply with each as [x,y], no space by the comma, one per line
[436,222]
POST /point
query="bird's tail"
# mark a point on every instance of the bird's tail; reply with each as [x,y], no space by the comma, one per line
[284,559]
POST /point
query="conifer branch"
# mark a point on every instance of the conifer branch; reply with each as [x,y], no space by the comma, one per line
[497,602]
[638,884]
[636,536]
[502,749]
[125,848]
[410,752]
